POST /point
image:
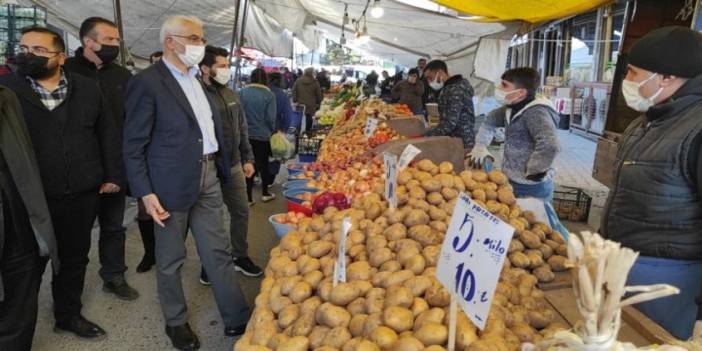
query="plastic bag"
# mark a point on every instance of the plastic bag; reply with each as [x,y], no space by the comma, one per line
[281,147]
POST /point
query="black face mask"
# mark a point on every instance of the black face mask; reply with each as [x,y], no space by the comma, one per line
[107,53]
[34,66]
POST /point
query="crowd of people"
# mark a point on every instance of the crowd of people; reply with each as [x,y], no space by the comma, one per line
[79,134]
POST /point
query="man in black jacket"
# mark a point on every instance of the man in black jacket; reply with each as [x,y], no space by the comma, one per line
[74,137]
[216,74]
[95,60]
[26,235]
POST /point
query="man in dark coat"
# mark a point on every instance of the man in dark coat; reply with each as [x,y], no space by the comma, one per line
[26,235]
[95,60]
[74,136]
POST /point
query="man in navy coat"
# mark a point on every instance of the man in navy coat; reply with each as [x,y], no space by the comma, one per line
[173,151]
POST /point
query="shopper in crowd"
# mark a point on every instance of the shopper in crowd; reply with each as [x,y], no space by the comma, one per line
[284,110]
[260,107]
[27,237]
[323,80]
[531,141]
[371,82]
[655,205]
[216,73]
[386,86]
[288,79]
[95,60]
[155,57]
[306,92]
[456,118]
[74,137]
[429,95]
[175,157]
[409,92]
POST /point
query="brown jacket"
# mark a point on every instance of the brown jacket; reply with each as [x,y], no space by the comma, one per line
[409,94]
[306,91]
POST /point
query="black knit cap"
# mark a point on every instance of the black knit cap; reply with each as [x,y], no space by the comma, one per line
[671,50]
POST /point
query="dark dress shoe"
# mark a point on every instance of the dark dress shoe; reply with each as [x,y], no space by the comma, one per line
[235,331]
[183,337]
[81,327]
[145,264]
[120,288]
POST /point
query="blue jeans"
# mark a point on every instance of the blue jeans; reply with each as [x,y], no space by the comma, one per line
[677,313]
[543,190]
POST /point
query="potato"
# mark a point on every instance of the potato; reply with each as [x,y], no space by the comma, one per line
[519,259]
[435,198]
[446,180]
[529,239]
[445,167]
[490,344]
[416,217]
[407,344]
[526,284]
[399,245]
[546,251]
[373,321]
[373,211]
[535,258]
[359,270]
[416,264]
[320,248]
[343,294]
[562,250]
[398,318]
[458,184]
[397,278]
[396,231]
[336,337]
[439,226]
[406,253]
[287,283]
[418,285]
[375,242]
[357,306]
[418,306]
[365,345]
[362,286]
[554,235]
[541,318]
[313,278]
[506,196]
[301,291]
[552,244]
[437,296]
[380,256]
[524,332]
[390,266]
[479,195]
[395,215]
[432,334]
[288,315]
[317,335]
[497,177]
[437,214]
[420,205]
[277,340]
[417,193]
[398,296]
[431,185]
[356,324]
[383,337]
[403,177]
[544,274]
[379,278]
[431,254]
[449,193]
[325,288]
[296,343]
[277,303]
[558,263]
[263,334]
[310,305]
[332,316]
[425,235]
[514,246]
[375,300]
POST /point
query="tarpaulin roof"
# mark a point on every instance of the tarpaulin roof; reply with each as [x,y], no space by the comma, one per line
[532,11]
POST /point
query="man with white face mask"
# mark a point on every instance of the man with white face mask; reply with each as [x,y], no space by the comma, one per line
[531,142]
[175,155]
[216,73]
[655,204]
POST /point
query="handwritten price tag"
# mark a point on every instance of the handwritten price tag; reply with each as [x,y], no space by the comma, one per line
[471,257]
[371,124]
[407,156]
[340,268]
[390,179]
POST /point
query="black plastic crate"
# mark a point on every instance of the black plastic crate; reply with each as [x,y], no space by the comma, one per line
[571,204]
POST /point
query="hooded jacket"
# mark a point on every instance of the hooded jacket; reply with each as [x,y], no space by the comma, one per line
[235,131]
[456,116]
[531,141]
[306,91]
[260,108]
[409,94]
[16,147]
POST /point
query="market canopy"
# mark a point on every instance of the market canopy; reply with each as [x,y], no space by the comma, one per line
[531,11]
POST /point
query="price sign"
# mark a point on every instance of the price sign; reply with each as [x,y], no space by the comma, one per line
[340,268]
[407,156]
[390,179]
[471,257]
[371,124]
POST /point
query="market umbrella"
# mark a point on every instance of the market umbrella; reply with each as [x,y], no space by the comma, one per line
[525,10]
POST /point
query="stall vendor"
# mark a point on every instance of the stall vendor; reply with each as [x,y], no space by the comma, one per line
[654,206]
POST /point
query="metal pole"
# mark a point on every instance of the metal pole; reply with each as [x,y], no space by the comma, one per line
[234,30]
[240,44]
[117,4]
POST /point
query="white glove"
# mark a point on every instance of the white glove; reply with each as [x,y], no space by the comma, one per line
[478,156]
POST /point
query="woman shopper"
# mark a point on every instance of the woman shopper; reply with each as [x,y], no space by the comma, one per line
[260,107]
[284,112]
[410,91]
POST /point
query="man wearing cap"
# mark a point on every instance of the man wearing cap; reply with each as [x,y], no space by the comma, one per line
[654,206]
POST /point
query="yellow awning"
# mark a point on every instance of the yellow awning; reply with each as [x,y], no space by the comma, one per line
[533,11]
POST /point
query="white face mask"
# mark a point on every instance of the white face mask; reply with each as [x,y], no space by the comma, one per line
[501,96]
[193,54]
[435,84]
[222,75]
[633,96]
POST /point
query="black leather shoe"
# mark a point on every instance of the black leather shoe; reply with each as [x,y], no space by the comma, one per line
[120,288]
[183,337]
[145,264]
[235,331]
[247,267]
[81,327]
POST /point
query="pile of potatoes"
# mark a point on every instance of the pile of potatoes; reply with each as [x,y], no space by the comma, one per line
[391,299]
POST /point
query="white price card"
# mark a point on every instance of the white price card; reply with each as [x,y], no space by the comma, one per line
[471,258]
[371,124]
[407,156]
[390,161]
[340,269]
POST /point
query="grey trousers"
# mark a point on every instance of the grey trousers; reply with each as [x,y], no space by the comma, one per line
[204,219]
[237,203]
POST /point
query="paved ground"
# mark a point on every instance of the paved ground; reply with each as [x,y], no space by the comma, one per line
[138,325]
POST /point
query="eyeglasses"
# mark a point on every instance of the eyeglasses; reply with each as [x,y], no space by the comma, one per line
[194,39]
[37,50]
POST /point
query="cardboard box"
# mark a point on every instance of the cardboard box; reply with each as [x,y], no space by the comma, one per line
[408,126]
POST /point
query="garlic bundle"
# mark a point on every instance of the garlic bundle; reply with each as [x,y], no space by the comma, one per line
[600,270]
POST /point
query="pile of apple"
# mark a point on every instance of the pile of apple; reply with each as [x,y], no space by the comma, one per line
[290,218]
